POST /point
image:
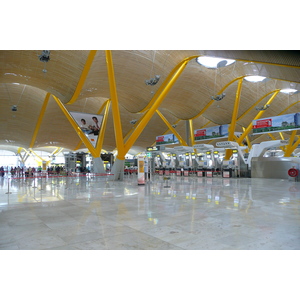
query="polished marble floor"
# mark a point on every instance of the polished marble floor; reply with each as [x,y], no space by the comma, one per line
[193,213]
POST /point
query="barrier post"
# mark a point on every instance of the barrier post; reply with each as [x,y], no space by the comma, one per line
[33,176]
[41,181]
[8,192]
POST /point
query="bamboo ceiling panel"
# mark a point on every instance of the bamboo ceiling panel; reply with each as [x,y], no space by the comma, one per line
[25,81]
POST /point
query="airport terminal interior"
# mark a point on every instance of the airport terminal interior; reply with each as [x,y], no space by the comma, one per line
[149,150]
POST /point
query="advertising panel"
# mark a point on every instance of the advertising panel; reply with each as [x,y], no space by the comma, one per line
[214,132]
[276,124]
[141,170]
[90,124]
[166,139]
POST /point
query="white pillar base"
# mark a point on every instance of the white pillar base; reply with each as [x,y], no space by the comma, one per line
[98,165]
[117,170]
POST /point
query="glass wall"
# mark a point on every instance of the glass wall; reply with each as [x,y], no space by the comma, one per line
[9,159]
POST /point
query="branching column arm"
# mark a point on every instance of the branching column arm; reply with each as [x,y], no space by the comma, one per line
[115,106]
[165,83]
[38,124]
[180,139]
[192,136]
[83,76]
[290,151]
[78,130]
[249,144]
[290,147]
[249,128]
[103,128]
[234,117]
[288,108]
[254,105]
[220,92]
[148,115]
[235,111]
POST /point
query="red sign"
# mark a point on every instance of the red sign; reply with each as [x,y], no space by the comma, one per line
[263,123]
[201,132]
[293,172]
[160,138]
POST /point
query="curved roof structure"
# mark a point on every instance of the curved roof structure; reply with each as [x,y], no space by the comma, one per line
[82,83]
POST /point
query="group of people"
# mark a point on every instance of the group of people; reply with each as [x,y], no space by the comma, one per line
[55,170]
[90,129]
[19,171]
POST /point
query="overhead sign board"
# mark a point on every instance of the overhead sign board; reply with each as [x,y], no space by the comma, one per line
[276,124]
[209,133]
[155,148]
[227,144]
[166,139]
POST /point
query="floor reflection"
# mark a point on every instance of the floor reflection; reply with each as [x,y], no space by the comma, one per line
[183,213]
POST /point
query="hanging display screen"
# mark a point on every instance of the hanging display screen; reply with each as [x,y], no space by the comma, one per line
[166,139]
[209,133]
[276,124]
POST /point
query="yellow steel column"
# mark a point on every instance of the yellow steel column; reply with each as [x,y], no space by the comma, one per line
[83,76]
[78,145]
[20,154]
[80,133]
[180,139]
[192,137]
[249,128]
[103,128]
[248,141]
[166,82]
[234,117]
[235,111]
[254,105]
[40,158]
[288,108]
[103,106]
[220,92]
[271,136]
[288,152]
[147,116]
[115,106]
[38,124]
[292,148]
[168,131]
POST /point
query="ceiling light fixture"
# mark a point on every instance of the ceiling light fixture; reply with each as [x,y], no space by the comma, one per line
[261,108]
[218,97]
[288,91]
[214,62]
[45,56]
[253,78]
[153,81]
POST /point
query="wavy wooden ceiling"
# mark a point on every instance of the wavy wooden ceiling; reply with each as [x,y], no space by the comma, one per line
[23,83]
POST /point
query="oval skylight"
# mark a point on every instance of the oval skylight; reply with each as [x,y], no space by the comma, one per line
[255,78]
[288,91]
[214,62]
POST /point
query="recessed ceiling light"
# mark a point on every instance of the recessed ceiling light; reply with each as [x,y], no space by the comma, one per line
[214,62]
[288,91]
[255,78]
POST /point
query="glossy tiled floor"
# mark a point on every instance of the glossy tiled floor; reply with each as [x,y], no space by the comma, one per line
[183,213]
